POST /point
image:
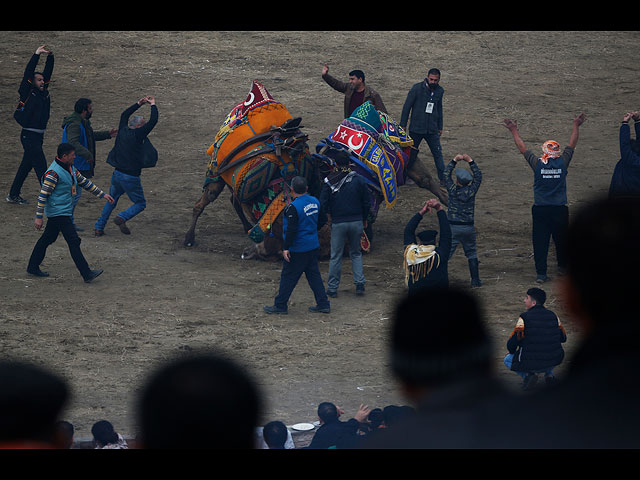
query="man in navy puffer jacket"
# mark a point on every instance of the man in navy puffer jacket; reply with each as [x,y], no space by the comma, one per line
[535,345]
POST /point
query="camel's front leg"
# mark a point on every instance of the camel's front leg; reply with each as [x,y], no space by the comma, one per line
[211,192]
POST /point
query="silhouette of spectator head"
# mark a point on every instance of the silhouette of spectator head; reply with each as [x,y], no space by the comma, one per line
[376,418]
[391,415]
[275,434]
[328,412]
[31,400]
[438,337]
[104,433]
[202,401]
[602,259]
[65,432]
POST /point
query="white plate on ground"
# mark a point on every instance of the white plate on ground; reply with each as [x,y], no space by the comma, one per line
[303,427]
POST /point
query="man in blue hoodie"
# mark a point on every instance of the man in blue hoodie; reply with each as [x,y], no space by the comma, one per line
[300,250]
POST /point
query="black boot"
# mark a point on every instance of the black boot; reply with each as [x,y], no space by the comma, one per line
[475,274]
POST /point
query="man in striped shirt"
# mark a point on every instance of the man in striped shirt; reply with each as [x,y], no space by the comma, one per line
[59,186]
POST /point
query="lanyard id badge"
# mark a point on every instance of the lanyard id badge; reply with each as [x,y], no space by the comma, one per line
[429,108]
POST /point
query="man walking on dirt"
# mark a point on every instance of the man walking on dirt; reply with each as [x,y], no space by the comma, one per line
[127,156]
[78,131]
[55,201]
[33,115]
[356,92]
[300,250]
[550,211]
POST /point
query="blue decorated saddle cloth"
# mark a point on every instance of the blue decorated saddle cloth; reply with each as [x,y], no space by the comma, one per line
[378,146]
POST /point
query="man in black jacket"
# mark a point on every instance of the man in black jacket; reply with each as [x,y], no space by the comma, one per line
[334,433]
[346,198]
[425,264]
[127,156]
[33,115]
[535,345]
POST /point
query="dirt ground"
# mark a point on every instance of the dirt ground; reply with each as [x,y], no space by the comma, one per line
[158,299]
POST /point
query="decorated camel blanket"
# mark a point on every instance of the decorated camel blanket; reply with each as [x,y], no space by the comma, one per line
[379,149]
[255,161]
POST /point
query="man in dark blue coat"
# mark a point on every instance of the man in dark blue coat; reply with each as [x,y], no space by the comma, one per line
[625,181]
[300,250]
[535,345]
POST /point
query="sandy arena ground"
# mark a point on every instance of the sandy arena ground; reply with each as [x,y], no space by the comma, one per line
[158,299]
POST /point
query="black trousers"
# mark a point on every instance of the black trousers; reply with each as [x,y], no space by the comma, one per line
[549,222]
[301,262]
[33,158]
[55,225]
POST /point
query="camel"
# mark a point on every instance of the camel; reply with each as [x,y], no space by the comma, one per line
[257,151]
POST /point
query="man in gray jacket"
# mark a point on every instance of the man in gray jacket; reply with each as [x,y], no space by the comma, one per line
[424,102]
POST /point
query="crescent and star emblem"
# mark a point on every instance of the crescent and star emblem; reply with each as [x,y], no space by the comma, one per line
[356,147]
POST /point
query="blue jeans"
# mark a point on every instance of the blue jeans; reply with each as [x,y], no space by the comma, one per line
[341,233]
[123,183]
[433,140]
[508,360]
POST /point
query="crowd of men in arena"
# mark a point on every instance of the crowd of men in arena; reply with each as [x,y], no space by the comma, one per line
[439,348]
